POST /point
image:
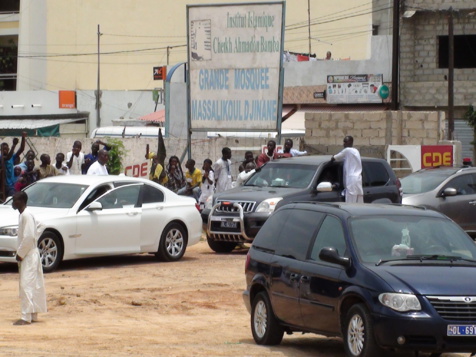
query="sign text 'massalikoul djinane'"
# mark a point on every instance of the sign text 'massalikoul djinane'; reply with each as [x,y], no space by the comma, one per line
[235,65]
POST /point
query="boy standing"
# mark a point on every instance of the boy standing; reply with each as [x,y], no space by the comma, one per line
[75,159]
[32,285]
[222,169]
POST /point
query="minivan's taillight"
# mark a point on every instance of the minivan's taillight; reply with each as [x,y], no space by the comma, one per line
[399,186]
[247,263]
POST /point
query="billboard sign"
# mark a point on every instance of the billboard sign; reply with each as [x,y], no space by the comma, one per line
[235,60]
[436,155]
[160,73]
[354,88]
[67,99]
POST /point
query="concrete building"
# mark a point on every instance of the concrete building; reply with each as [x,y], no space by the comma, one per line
[54,46]
[57,45]
[424,60]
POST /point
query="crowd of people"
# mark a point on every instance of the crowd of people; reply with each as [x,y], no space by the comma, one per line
[190,181]
[213,177]
[19,174]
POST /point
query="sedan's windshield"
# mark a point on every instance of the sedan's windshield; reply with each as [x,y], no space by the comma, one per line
[384,238]
[283,175]
[53,194]
[424,181]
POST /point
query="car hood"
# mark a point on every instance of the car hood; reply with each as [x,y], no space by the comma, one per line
[9,216]
[429,280]
[256,193]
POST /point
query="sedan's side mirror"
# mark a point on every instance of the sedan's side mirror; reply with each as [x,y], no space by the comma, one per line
[94,206]
[330,255]
[450,191]
[324,187]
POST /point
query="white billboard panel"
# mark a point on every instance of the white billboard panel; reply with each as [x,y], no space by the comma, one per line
[354,88]
[235,60]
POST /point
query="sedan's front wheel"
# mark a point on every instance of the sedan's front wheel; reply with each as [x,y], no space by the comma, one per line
[173,243]
[359,335]
[264,325]
[51,251]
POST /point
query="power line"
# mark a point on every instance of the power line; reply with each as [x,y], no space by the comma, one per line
[336,19]
[102,53]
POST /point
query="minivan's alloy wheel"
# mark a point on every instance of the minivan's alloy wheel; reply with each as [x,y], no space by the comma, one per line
[356,335]
[51,251]
[172,243]
[359,339]
[264,325]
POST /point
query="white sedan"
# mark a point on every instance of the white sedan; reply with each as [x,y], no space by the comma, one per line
[92,216]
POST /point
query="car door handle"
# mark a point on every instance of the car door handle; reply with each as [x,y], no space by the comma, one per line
[132,213]
[160,208]
[294,277]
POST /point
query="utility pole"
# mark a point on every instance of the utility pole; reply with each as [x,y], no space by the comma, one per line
[98,91]
[395,53]
[309,23]
[451,66]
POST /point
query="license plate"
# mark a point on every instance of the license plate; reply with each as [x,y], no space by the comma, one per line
[226,224]
[461,330]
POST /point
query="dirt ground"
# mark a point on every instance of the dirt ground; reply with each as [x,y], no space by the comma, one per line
[136,306]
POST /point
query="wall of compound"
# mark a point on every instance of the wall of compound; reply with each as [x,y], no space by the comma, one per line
[134,162]
[372,131]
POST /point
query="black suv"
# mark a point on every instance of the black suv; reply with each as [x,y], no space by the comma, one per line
[383,277]
[235,216]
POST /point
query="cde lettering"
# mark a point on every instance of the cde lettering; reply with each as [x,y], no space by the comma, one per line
[136,170]
[431,159]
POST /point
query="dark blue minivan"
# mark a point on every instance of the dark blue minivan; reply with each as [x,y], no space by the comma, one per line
[383,277]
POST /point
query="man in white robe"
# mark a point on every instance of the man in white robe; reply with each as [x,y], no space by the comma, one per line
[32,285]
[352,171]
[99,166]
[222,169]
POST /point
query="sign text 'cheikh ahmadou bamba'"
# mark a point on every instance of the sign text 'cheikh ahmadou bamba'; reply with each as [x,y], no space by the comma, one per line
[235,65]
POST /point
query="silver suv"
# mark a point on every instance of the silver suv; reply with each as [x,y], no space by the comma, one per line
[450,190]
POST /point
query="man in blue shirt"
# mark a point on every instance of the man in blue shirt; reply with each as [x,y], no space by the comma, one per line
[91,158]
[8,158]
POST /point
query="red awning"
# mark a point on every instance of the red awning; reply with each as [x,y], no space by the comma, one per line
[155,117]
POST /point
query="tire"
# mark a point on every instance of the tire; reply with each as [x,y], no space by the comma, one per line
[220,247]
[264,325]
[173,243]
[359,338]
[51,251]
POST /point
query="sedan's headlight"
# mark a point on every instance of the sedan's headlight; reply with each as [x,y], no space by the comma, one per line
[400,302]
[268,206]
[209,202]
[9,231]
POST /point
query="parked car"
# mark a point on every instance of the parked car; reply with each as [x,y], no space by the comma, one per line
[92,216]
[382,277]
[235,216]
[450,190]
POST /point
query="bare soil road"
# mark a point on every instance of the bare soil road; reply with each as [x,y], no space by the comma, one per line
[136,306]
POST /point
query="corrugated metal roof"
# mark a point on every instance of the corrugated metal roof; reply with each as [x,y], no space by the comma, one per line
[155,117]
[34,123]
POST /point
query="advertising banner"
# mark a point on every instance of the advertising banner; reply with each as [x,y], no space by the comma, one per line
[354,88]
[235,59]
[436,155]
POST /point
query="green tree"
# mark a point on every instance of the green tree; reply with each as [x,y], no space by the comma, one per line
[116,154]
[470,117]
